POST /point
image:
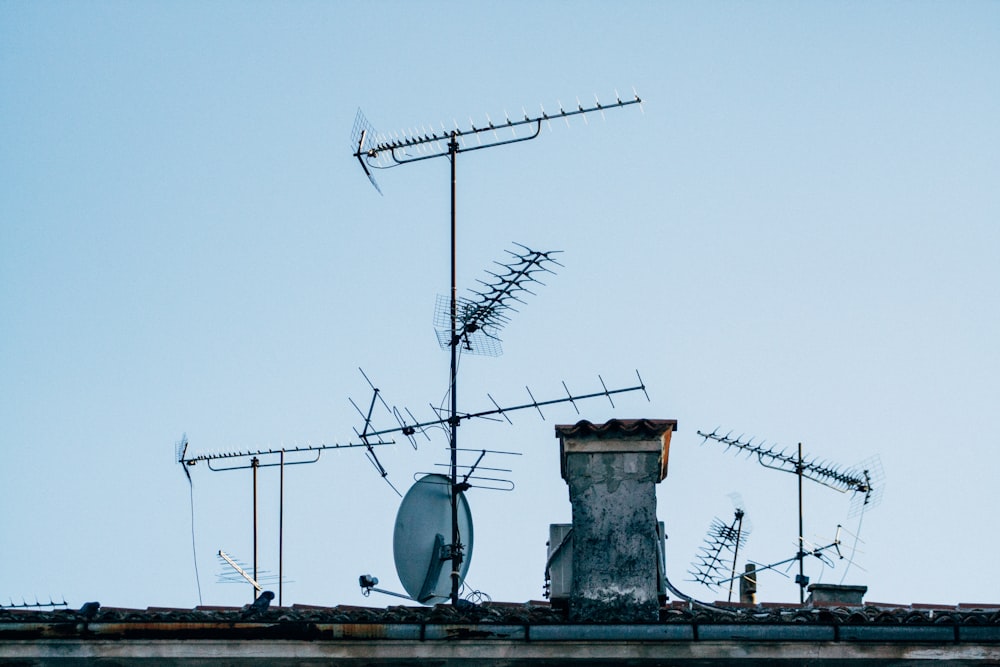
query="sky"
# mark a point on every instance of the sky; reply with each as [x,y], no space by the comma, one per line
[795,239]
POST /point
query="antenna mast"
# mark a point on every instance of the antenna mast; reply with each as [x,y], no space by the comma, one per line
[377,151]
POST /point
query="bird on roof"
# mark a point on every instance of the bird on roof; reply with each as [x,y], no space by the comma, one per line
[89,610]
[259,605]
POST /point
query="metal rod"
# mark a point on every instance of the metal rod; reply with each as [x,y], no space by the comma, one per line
[456,553]
[812,552]
[500,411]
[802,553]
[253,464]
[281,527]
[736,549]
[265,452]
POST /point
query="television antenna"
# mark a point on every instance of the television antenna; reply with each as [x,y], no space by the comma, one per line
[34,605]
[857,481]
[721,540]
[236,573]
[252,459]
[819,552]
[378,151]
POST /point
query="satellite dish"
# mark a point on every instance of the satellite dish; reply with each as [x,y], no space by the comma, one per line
[422,537]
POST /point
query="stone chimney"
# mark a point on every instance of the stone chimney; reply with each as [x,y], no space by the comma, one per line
[836,594]
[612,470]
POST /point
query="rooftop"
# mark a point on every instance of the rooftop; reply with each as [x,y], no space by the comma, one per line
[532,633]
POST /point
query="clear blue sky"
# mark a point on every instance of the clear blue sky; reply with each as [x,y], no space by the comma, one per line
[797,239]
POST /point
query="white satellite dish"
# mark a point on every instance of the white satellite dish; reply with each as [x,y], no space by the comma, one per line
[422,532]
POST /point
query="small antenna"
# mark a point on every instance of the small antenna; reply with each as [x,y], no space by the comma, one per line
[226,558]
[34,605]
[801,579]
[710,566]
[481,318]
[472,480]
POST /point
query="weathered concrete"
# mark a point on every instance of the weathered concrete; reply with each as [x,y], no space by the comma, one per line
[836,594]
[612,471]
[645,651]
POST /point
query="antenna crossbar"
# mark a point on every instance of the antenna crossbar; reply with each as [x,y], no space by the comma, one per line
[192,460]
[370,147]
[823,472]
[605,392]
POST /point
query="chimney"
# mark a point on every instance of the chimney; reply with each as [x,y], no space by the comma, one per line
[612,471]
[836,594]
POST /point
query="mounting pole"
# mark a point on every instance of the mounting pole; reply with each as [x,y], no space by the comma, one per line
[736,549]
[254,464]
[802,553]
[281,526]
[456,551]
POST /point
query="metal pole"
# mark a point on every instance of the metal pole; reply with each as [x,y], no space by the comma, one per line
[736,550]
[802,553]
[456,554]
[281,527]
[254,463]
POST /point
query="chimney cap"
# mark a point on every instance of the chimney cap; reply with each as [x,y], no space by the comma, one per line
[617,435]
[617,428]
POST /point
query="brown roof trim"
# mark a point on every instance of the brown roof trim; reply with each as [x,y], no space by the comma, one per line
[653,428]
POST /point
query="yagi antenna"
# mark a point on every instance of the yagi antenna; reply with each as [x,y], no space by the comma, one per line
[721,549]
[503,411]
[226,558]
[481,317]
[379,151]
[824,472]
[34,605]
[474,475]
[860,482]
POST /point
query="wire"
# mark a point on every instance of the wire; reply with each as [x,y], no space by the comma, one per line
[194,550]
[854,547]
[687,598]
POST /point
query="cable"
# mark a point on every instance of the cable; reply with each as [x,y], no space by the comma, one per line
[854,547]
[194,550]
